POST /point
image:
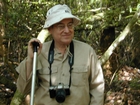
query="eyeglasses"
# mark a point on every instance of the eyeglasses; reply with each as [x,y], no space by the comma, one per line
[61,26]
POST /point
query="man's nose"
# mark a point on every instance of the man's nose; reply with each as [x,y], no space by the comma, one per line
[66,29]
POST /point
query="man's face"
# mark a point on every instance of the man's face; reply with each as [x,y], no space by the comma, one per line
[63,32]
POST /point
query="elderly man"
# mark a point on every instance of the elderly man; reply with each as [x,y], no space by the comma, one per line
[68,71]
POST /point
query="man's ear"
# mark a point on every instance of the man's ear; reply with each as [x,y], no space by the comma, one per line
[49,29]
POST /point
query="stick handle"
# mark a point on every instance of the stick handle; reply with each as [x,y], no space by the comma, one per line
[35,45]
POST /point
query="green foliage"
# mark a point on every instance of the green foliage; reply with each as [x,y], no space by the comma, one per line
[117,12]
[24,19]
[135,83]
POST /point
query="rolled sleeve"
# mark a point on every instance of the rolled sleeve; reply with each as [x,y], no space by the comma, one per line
[23,85]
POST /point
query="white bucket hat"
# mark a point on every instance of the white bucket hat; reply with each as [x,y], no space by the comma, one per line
[58,13]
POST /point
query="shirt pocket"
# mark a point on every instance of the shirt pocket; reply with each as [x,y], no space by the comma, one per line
[79,75]
[44,74]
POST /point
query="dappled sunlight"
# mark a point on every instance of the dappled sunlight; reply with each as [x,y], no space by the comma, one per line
[124,89]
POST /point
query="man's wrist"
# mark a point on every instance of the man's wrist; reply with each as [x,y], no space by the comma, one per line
[29,59]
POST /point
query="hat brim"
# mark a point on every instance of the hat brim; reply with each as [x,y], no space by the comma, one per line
[51,21]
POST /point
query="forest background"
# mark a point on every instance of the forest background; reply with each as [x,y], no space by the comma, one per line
[111,27]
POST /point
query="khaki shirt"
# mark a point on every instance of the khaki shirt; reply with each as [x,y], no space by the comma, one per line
[87,82]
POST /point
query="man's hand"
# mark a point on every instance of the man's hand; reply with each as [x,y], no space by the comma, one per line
[30,47]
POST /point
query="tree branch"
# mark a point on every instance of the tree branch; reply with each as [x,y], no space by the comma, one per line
[120,38]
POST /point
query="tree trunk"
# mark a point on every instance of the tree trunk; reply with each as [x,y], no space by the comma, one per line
[2,30]
[120,38]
